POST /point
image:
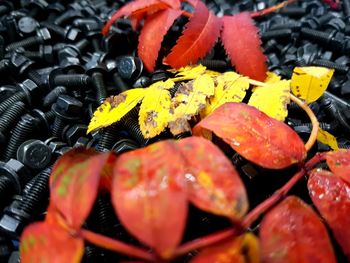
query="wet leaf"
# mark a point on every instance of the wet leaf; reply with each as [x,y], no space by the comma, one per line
[254,135]
[200,35]
[214,184]
[327,139]
[230,87]
[292,233]
[189,99]
[331,195]
[242,43]
[115,107]
[154,111]
[43,242]
[243,249]
[152,34]
[309,83]
[150,196]
[74,190]
[272,99]
[339,163]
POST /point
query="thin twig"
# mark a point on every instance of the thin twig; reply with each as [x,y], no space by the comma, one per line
[272,8]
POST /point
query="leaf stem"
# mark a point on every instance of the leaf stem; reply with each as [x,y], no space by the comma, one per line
[117,246]
[271,9]
[314,121]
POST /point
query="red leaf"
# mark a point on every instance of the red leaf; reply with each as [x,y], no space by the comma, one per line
[43,242]
[215,185]
[152,34]
[332,3]
[136,8]
[243,249]
[150,197]
[175,4]
[331,196]
[339,163]
[242,43]
[254,135]
[198,38]
[74,190]
[292,232]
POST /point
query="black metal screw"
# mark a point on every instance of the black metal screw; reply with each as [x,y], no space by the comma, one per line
[27,25]
[343,69]
[108,138]
[118,82]
[42,36]
[69,34]
[133,128]
[45,53]
[34,154]
[276,34]
[52,96]
[129,67]
[74,132]
[11,115]
[97,78]
[333,39]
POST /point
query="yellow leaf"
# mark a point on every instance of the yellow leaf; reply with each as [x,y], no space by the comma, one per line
[154,111]
[251,248]
[230,87]
[271,78]
[272,99]
[309,83]
[115,107]
[328,139]
[188,72]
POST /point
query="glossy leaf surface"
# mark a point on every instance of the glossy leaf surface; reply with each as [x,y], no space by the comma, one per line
[292,233]
[242,43]
[339,163]
[243,249]
[214,184]
[254,135]
[331,195]
[150,196]
[73,191]
[152,34]
[200,35]
[43,242]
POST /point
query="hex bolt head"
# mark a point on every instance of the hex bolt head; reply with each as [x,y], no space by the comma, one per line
[129,67]
[67,107]
[27,25]
[16,172]
[34,154]
[74,133]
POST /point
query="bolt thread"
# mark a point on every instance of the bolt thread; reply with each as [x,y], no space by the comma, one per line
[58,127]
[105,215]
[32,202]
[19,96]
[276,34]
[343,69]
[343,146]
[119,83]
[52,96]
[72,80]
[62,18]
[315,35]
[134,130]
[81,45]
[30,41]
[35,77]
[99,84]
[293,11]
[54,28]
[19,135]
[294,26]
[108,138]
[50,115]
[36,55]
[96,44]
[214,64]
[174,89]
[11,115]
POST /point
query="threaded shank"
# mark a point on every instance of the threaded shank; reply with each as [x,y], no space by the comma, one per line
[134,130]
[107,138]
[58,127]
[329,64]
[99,84]
[11,116]
[19,96]
[30,41]
[72,80]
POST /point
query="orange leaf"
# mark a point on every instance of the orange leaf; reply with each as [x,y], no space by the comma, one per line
[214,184]
[152,34]
[331,196]
[74,190]
[44,242]
[254,135]
[200,35]
[292,233]
[149,195]
[136,8]
[242,43]
[339,163]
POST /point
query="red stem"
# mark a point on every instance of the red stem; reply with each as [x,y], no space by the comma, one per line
[117,246]
[271,9]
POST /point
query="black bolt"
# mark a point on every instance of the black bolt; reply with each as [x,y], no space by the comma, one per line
[70,33]
[27,25]
[343,69]
[7,91]
[72,80]
[133,128]
[292,25]
[24,128]
[66,109]
[332,110]
[293,11]
[5,7]
[74,132]
[346,8]
[108,138]
[332,39]
[73,50]
[215,64]
[42,36]
[97,78]
[13,178]
[125,145]
[34,154]
[45,53]
[11,28]
[277,34]
[118,82]
[70,14]
[54,9]
[52,96]
[142,81]
[129,67]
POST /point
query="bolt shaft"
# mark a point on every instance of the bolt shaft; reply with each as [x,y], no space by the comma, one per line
[19,96]
[27,42]
[58,127]
[100,87]
[72,80]
[11,116]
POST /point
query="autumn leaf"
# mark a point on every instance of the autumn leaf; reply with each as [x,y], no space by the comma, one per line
[115,107]
[254,135]
[214,184]
[150,197]
[152,34]
[327,139]
[189,72]
[200,35]
[230,87]
[242,249]
[44,242]
[339,163]
[292,232]
[189,99]
[331,195]
[242,43]
[309,83]
[272,99]
[74,189]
